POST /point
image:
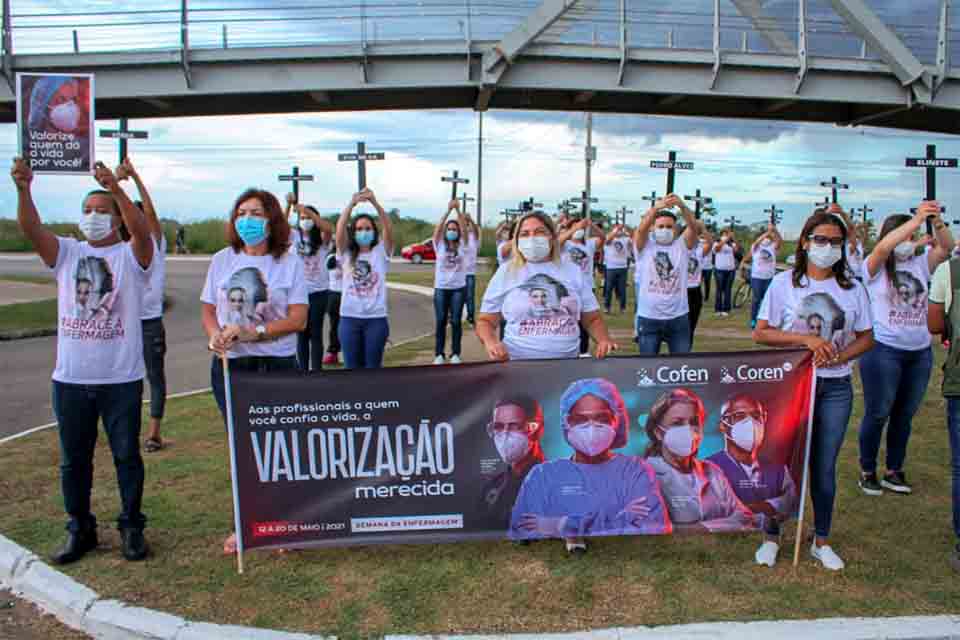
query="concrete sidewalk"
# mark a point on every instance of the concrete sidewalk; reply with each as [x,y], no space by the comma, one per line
[15,292]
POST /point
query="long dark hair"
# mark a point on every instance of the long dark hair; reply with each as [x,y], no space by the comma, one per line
[315,235]
[891,223]
[456,243]
[840,270]
[352,245]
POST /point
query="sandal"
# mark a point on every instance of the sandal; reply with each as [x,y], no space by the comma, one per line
[151,445]
[230,545]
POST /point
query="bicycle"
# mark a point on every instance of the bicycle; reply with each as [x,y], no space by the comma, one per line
[744,292]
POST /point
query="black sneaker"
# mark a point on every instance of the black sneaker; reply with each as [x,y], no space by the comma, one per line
[896,481]
[869,485]
[77,545]
[134,545]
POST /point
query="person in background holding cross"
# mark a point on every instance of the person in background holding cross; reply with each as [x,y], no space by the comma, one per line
[449,282]
[662,262]
[579,242]
[725,270]
[470,252]
[616,255]
[763,266]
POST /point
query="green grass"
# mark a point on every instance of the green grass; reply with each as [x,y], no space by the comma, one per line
[41,314]
[895,547]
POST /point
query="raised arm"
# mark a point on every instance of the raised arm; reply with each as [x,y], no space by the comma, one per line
[613,233]
[885,247]
[126,169]
[944,239]
[776,237]
[583,225]
[44,241]
[141,240]
[642,234]
[342,237]
[438,230]
[384,221]
[692,232]
[473,229]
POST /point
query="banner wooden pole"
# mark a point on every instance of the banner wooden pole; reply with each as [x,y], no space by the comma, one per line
[238,531]
[806,471]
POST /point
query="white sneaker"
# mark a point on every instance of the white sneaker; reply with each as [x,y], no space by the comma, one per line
[454,359]
[826,557]
[767,553]
[586,355]
[438,360]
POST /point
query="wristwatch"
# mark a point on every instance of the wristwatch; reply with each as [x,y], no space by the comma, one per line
[261,330]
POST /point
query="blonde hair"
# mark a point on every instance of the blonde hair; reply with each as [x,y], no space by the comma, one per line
[517,260]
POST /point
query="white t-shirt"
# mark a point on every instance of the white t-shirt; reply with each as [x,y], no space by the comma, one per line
[314,266]
[153,294]
[364,288]
[764,265]
[617,252]
[450,270]
[723,258]
[541,303]
[470,255]
[706,263]
[820,307]
[695,267]
[662,279]
[855,260]
[336,274]
[251,290]
[900,311]
[99,307]
[500,258]
[581,255]
[941,289]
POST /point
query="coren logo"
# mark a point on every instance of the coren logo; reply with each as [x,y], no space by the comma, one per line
[746,373]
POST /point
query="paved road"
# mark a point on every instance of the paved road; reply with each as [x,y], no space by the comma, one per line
[25,365]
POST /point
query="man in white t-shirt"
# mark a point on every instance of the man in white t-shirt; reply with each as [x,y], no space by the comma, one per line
[661,277]
[616,255]
[99,370]
[763,266]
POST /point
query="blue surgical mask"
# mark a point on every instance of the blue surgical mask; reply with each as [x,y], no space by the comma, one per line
[251,229]
[452,235]
[364,237]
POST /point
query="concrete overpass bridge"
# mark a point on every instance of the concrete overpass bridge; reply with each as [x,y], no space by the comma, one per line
[887,63]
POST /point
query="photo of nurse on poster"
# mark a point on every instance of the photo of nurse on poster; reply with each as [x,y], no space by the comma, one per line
[55,122]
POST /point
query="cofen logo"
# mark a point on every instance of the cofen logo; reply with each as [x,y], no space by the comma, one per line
[665,375]
[746,373]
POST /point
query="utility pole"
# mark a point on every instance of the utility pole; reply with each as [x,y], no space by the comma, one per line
[480,172]
[590,154]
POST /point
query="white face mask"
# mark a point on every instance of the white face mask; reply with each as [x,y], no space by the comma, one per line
[824,257]
[96,226]
[904,250]
[591,438]
[663,236]
[65,116]
[578,235]
[765,242]
[306,224]
[743,434]
[534,249]
[511,446]
[679,440]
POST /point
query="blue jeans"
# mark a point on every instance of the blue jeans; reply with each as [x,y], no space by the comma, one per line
[448,306]
[154,351]
[707,277]
[953,429]
[260,364]
[615,281]
[471,299]
[724,300]
[652,333]
[79,408]
[759,288]
[363,341]
[310,340]
[894,384]
[831,413]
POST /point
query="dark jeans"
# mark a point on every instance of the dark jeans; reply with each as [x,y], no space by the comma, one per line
[695,301]
[448,307]
[894,383]
[831,413]
[707,277]
[759,288]
[724,299]
[652,333]
[584,339]
[953,430]
[363,341]
[250,363]
[78,408]
[471,299]
[615,281]
[310,340]
[333,310]
[154,350]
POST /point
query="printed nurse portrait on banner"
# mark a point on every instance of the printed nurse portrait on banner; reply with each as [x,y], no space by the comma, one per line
[55,122]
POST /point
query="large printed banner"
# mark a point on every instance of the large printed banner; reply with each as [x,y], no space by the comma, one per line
[55,122]
[522,450]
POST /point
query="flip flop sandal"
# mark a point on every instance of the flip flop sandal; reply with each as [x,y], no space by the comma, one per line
[152,444]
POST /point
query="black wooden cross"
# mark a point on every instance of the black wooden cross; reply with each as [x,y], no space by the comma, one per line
[834,187]
[931,163]
[361,157]
[584,203]
[530,204]
[620,217]
[699,200]
[775,216]
[652,198]
[455,179]
[122,134]
[464,199]
[865,210]
[671,165]
[823,204]
[296,178]
[734,221]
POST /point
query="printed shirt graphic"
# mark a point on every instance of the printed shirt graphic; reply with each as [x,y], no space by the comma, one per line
[764,265]
[616,253]
[662,280]
[252,290]
[723,259]
[541,303]
[706,263]
[900,307]
[820,307]
[336,273]
[99,307]
[695,267]
[470,255]
[153,295]
[450,271]
[314,266]
[581,254]
[364,288]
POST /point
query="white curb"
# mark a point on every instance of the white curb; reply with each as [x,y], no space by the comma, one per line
[55,593]
[113,620]
[204,631]
[14,559]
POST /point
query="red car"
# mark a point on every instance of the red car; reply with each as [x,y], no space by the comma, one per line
[419,251]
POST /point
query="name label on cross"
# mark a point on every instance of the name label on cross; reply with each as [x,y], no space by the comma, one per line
[347,157]
[123,135]
[949,163]
[296,178]
[666,164]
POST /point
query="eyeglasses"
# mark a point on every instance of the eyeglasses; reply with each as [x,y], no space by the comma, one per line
[575,420]
[737,416]
[511,427]
[822,241]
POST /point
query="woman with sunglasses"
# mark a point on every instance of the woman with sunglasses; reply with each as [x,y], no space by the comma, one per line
[818,305]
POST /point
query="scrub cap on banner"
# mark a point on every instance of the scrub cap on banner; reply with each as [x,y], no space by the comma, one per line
[43,91]
[605,390]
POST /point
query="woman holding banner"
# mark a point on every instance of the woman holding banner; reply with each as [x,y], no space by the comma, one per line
[818,305]
[255,297]
[365,260]
[450,282]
